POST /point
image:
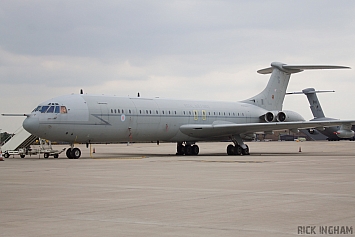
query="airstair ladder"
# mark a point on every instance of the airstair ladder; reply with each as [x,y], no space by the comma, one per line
[21,139]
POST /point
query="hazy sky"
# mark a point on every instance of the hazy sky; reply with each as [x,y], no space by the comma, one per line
[205,50]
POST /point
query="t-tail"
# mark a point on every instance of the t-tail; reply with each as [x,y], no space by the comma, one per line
[272,97]
[314,103]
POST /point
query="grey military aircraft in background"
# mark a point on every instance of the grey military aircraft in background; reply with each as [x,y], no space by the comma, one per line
[81,118]
[318,114]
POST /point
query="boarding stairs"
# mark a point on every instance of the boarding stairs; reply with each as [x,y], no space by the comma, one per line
[20,139]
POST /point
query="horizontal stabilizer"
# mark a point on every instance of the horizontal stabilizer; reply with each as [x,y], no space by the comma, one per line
[297,68]
[306,92]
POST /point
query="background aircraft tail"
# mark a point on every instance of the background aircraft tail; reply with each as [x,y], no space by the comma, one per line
[272,97]
[314,103]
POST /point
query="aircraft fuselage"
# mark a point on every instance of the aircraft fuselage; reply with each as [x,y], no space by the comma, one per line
[96,119]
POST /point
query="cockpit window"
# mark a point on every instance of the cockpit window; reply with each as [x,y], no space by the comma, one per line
[44,109]
[37,109]
[51,109]
[63,110]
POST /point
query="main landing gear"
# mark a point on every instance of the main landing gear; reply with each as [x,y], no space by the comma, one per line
[239,148]
[73,153]
[188,149]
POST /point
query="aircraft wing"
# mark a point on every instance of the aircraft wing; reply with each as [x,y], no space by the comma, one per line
[223,128]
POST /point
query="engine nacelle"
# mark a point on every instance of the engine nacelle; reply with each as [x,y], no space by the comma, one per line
[282,116]
[343,133]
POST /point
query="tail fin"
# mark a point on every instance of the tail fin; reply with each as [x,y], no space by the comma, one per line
[314,103]
[272,97]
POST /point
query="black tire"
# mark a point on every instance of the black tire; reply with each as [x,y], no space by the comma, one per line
[22,156]
[237,150]
[188,150]
[6,155]
[68,153]
[230,149]
[180,150]
[75,153]
[195,150]
[246,151]
[46,155]
[55,155]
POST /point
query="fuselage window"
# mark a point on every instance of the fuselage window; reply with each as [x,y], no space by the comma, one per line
[111,111]
[189,112]
[122,111]
[63,110]
[115,111]
[129,111]
[150,112]
[156,111]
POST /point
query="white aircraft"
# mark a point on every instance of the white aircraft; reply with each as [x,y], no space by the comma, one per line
[80,118]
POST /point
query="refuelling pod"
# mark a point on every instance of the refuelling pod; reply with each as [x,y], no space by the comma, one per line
[282,116]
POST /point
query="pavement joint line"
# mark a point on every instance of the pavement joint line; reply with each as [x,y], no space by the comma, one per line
[227,161]
[119,158]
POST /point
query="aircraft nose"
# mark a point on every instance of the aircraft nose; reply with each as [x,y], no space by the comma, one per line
[31,125]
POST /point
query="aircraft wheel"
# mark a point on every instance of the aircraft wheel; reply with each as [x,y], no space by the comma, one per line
[195,150]
[6,155]
[246,151]
[188,150]
[22,156]
[55,156]
[75,153]
[180,150]
[230,149]
[68,153]
[237,150]
[46,155]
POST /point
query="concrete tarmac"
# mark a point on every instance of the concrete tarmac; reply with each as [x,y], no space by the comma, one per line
[145,190]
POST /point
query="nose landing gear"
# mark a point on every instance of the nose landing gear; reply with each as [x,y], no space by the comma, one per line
[73,153]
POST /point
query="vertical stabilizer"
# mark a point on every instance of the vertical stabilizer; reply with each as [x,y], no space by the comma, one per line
[272,97]
[313,100]
[314,103]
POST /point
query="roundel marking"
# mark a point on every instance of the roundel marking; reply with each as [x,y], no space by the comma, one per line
[123,117]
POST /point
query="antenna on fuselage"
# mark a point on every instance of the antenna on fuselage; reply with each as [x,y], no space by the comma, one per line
[138,95]
[81,91]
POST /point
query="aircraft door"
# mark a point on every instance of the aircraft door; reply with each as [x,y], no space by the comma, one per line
[104,113]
